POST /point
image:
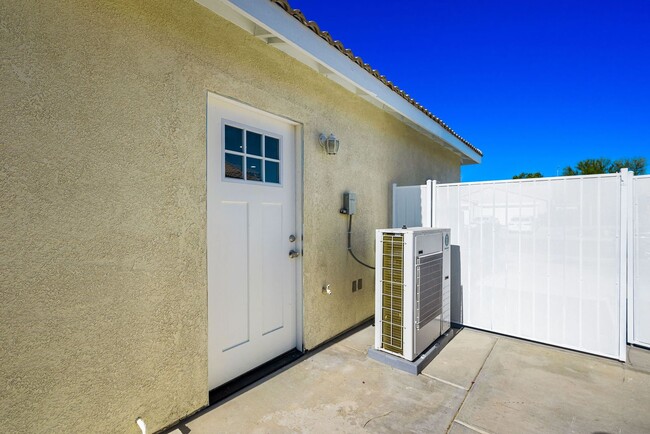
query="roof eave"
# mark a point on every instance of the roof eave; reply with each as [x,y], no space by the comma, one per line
[272,24]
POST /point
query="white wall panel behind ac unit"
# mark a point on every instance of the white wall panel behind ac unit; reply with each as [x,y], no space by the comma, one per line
[538,259]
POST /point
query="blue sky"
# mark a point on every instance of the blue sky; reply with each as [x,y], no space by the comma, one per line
[536,85]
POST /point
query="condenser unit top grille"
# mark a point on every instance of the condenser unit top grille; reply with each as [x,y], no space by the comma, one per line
[429,288]
[392,292]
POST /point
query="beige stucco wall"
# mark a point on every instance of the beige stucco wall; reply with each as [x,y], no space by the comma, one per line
[103,220]
[376,150]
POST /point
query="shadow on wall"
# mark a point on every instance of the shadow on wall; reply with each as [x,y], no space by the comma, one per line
[456,287]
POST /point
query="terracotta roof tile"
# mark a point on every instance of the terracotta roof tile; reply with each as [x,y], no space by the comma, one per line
[313,26]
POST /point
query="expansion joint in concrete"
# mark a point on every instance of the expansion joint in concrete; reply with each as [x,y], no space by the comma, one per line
[449,383]
[470,427]
[460,407]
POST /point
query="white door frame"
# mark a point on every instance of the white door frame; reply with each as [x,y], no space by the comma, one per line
[299,188]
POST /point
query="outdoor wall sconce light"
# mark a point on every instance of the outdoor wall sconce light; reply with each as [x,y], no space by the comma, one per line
[330,144]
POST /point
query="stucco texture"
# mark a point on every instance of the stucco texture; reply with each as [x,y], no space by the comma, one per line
[103,277]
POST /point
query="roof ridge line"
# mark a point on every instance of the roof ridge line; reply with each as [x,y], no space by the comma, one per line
[314,27]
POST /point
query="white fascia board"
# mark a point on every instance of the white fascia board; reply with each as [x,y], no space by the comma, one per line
[309,48]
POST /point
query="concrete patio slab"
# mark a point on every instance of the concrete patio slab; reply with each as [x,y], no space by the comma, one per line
[479,383]
[338,390]
[361,340]
[525,387]
[639,358]
[460,362]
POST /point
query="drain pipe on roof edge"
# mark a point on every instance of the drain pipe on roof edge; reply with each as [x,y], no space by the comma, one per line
[141,425]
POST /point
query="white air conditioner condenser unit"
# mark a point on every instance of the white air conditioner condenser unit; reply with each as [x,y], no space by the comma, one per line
[412,289]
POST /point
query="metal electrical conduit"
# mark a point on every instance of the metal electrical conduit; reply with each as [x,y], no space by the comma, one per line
[350,245]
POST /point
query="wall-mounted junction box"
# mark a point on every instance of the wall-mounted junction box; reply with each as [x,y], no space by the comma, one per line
[349,203]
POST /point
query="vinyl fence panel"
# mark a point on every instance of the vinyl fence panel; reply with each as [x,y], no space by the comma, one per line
[539,259]
[641,262]
[407,206]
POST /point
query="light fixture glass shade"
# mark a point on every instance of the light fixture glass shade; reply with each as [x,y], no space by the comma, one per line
[329,143]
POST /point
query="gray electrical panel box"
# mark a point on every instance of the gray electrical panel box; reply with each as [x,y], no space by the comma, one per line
[349,203]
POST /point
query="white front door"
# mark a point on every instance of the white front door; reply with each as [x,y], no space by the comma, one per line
[251,231]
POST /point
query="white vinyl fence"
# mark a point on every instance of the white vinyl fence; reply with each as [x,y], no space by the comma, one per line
[549,259]
[412,205]
[639,325]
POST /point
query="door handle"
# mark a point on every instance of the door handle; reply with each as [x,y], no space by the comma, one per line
[293,254]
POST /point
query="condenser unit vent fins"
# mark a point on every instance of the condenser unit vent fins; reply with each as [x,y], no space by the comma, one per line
[392,292]
[428,288]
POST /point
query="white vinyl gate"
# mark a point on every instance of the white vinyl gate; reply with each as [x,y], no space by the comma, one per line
[639,323]
[547,259]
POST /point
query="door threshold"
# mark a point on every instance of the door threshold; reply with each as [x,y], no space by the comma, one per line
[229,389]
[233,387]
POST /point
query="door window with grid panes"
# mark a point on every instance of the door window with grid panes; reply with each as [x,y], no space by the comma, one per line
[251,155]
